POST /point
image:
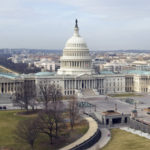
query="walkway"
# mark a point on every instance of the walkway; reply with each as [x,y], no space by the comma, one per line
[93,126]
[103,140]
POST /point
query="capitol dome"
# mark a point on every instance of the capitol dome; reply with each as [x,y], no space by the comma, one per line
[76,58]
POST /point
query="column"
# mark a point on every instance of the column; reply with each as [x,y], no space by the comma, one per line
[4,90]
[6,87]
[79,83]
[0,88]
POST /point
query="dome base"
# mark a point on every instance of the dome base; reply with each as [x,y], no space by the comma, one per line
[75,71]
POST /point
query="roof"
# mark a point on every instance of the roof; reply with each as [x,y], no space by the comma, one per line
[147,109]
[110,113]
[106,72]
[138,72]
[45,73]
[9,75]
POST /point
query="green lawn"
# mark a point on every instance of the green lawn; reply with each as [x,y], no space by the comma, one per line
[124,95]
[122,140]
[9,121]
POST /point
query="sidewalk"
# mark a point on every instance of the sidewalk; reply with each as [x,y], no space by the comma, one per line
[103,140]
[93,126]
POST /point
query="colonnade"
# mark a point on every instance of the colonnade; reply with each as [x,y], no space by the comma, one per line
[76,64]
[9,88]
[78,84]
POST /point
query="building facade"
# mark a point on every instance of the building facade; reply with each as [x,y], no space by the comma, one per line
[76,75]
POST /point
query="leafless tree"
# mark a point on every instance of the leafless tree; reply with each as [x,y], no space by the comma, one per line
[46,123]
[33,103]
[27,132]
[49,92]
[55,93]
[23,99]
[57,108]
[20,99]
[73,112]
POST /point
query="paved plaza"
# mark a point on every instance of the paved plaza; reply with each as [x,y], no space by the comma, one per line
[102,104]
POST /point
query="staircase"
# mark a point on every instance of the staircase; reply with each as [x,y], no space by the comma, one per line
[89,92]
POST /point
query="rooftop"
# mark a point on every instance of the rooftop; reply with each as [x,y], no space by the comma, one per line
[9,75]
[138,72]
[45,73]
[110,113]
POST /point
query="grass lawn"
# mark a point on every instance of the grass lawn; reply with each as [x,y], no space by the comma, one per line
[124,95]
[9,121]
[122,140]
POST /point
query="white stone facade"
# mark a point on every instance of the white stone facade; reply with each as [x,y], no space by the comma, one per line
[76,59]
[77,77]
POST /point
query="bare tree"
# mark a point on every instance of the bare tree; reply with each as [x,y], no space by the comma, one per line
[73,112]
[46,123]
[17,98]
[27,131]
[20,99]
[55,93]
[57,109]
[23,98]
[49,92]
[33,103]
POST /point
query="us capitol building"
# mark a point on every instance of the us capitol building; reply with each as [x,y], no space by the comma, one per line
[76,75]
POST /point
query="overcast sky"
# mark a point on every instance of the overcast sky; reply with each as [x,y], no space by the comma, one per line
[47,24]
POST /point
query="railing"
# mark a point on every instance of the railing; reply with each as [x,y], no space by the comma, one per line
[90,142]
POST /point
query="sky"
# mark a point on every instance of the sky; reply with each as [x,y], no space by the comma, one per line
[47,24]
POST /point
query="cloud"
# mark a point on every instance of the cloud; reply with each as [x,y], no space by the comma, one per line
[104,23]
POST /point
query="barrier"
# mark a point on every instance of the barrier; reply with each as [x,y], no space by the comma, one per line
[90,142]
[87,140]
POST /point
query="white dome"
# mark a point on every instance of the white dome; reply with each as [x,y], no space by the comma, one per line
[76,58]
[76,43]
[76,40]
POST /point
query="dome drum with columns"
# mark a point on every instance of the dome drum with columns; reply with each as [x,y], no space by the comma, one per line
[76,59]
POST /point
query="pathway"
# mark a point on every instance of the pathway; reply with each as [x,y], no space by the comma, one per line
[93,126]
[105,137]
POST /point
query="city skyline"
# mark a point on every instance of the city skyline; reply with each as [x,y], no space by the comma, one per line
[47,24]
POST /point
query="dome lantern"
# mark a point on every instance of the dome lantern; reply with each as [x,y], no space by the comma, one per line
[76,28]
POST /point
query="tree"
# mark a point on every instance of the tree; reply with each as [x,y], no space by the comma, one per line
[27,132]
[46,123]
[23,99]
[73,112]
[33,103]
[55,93]
[49,92]
[57,109]
[51,120]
